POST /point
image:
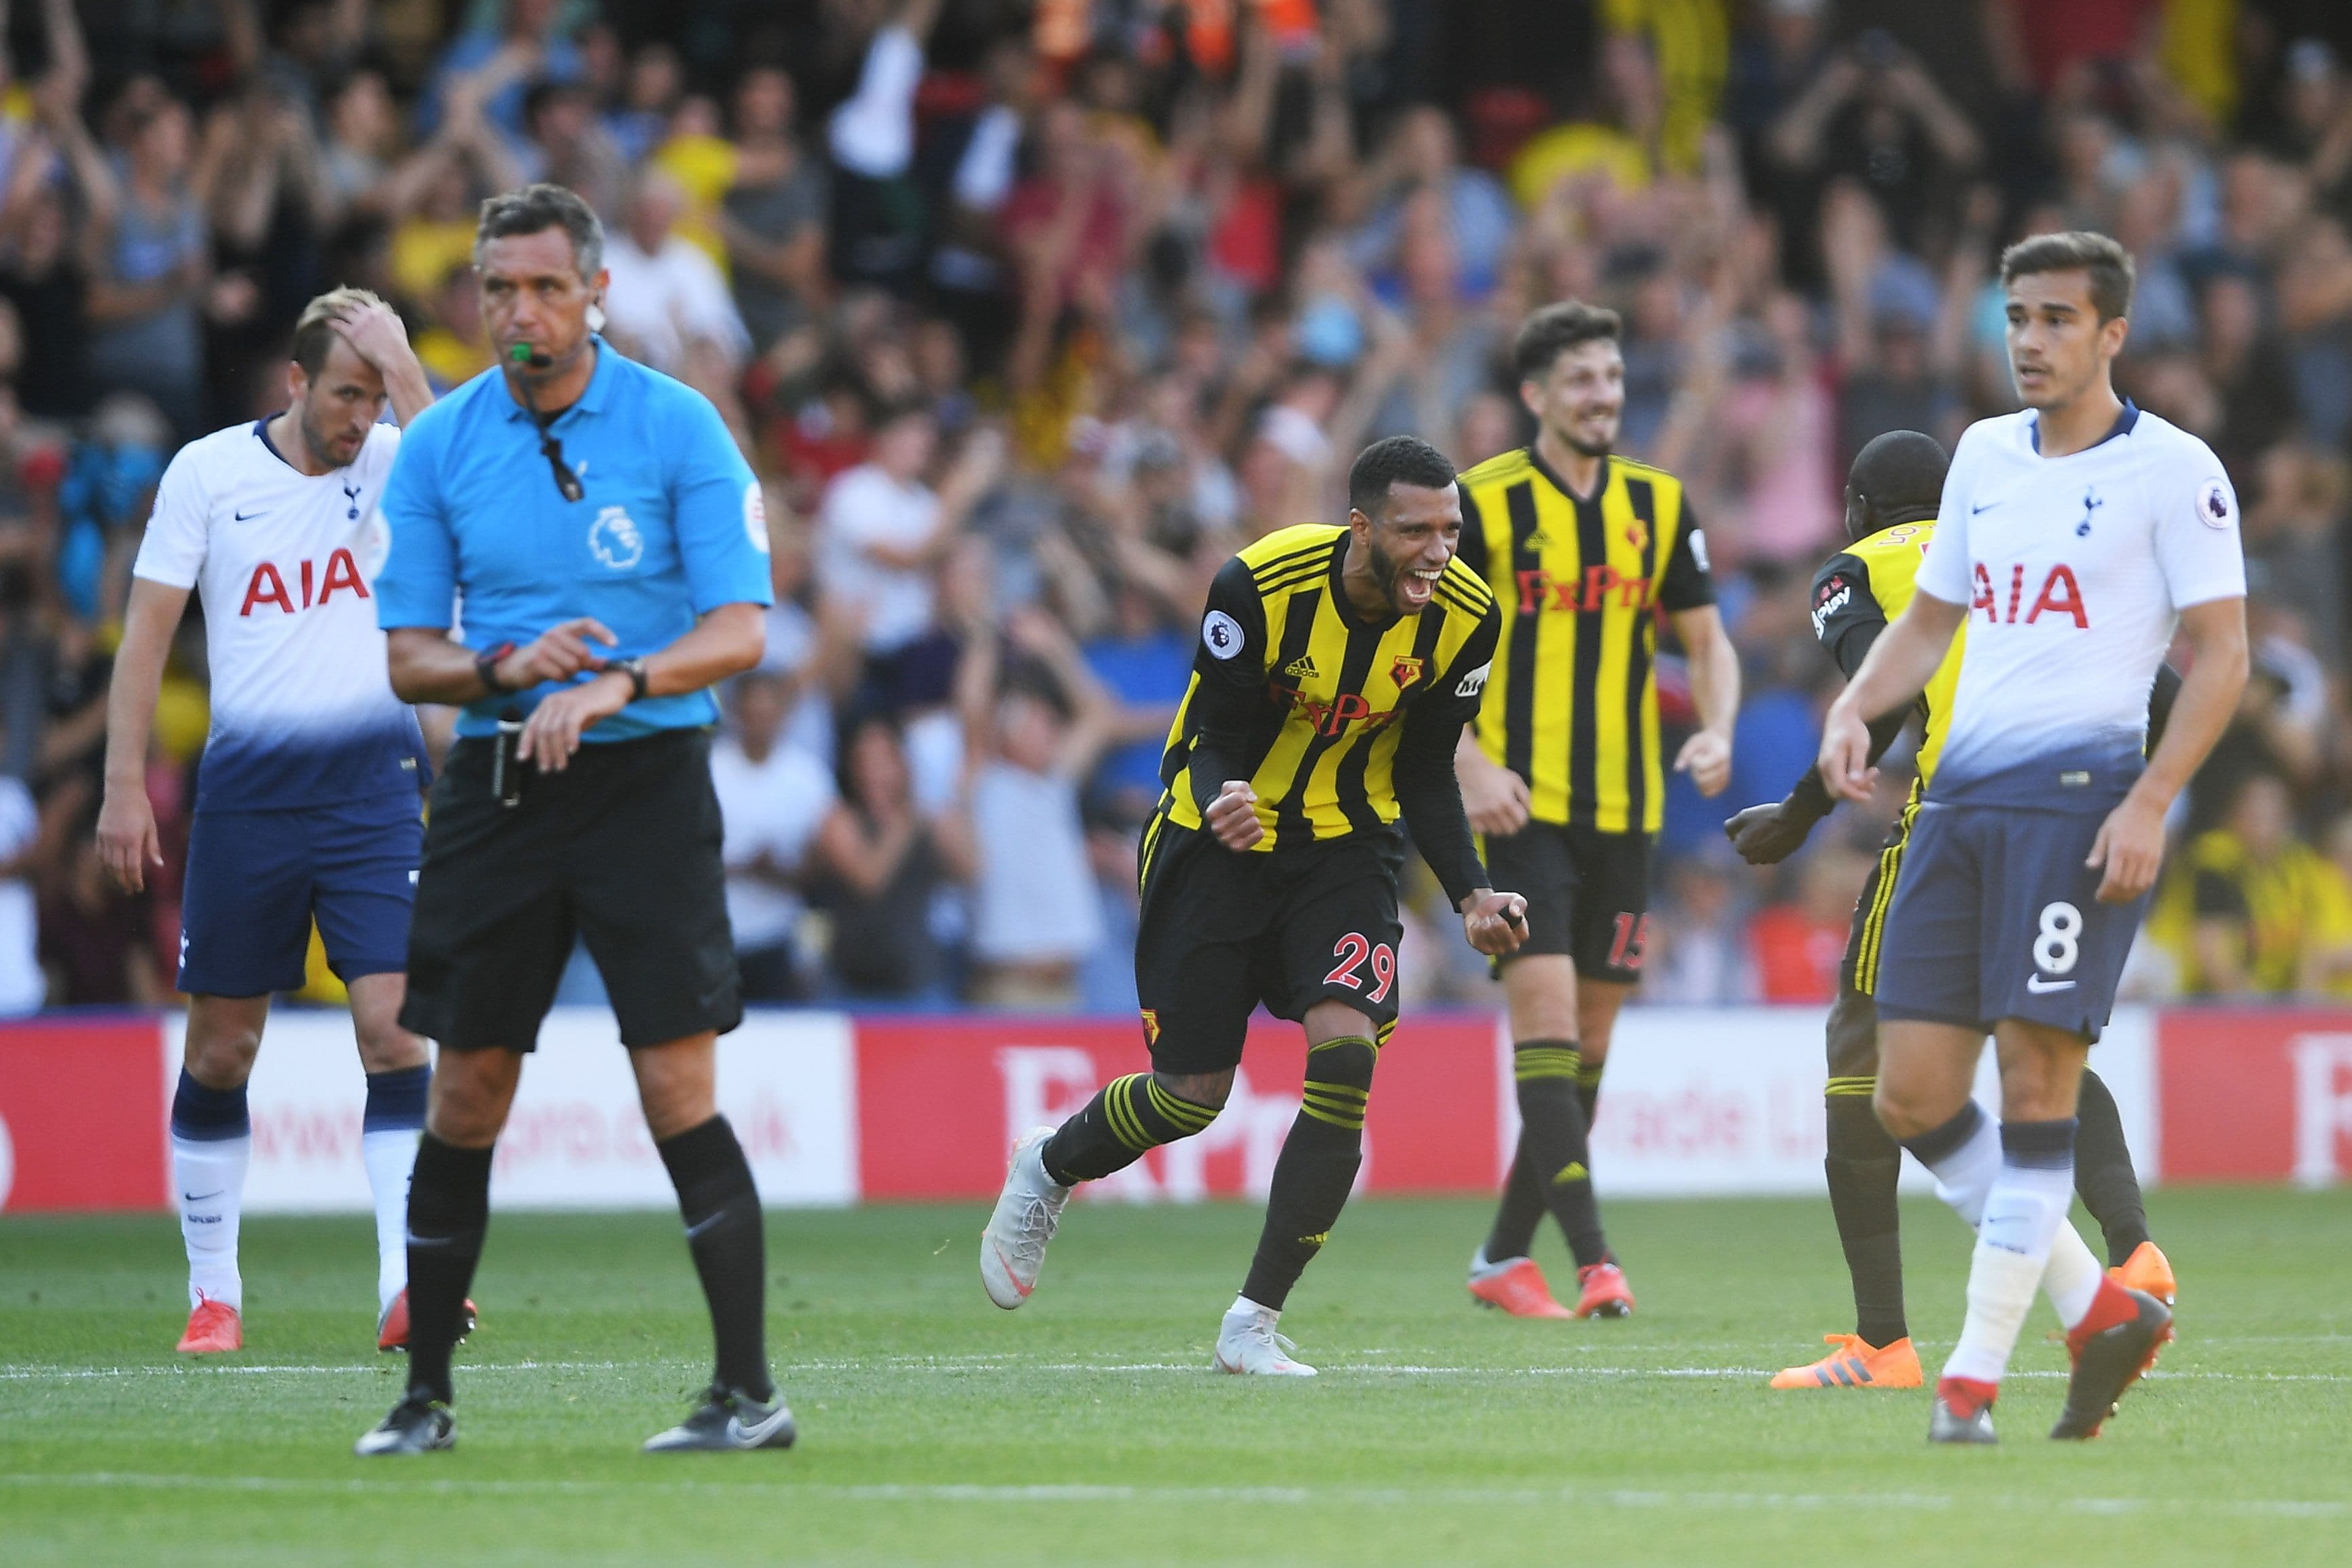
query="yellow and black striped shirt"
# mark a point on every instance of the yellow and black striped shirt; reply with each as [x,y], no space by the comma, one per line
[1573,705]
[1341,724]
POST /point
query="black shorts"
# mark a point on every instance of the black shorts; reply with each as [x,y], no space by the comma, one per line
[1587,894]
[1220,932]
[1858,971]
[622,848]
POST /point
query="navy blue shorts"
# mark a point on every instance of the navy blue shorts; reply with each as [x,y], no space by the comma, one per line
[257,878]
[1995,916]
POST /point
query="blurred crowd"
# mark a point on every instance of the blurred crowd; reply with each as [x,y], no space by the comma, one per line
[1030,312]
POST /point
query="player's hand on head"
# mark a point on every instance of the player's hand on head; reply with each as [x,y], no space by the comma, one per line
[2128,851]
[1494,798]
[559,653]
[375,331]
[1232,815]
[1496,923]
[1764,834]
[1707,757]
[1844,758]
[127,842]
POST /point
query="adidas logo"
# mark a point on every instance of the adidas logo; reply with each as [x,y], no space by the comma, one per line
[1302,668]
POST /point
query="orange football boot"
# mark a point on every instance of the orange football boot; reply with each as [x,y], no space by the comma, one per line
[1603,1293]
[2147,1272]
[1856,1364]
[391,1328]
[1518,1289]
[212,1327]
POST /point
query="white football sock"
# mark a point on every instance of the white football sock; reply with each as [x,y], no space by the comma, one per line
[389,1156]
[2072,1275]
[1965,1174]
[209,1175]
[2023,1214]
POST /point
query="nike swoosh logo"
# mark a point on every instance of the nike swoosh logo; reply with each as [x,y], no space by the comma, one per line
[700,1225]
[1987,507]
[200,1197]
[2035,984]
[249,516]
[752,1436]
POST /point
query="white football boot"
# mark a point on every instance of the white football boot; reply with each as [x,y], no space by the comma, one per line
[1012,1248]
[1246,1343]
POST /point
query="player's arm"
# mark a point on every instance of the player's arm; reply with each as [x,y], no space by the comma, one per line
[1229,692]
[1847,620]
[1429,798]
[1495,799]
[1896,669]
[2130,844]
[1687,592]
[127,843]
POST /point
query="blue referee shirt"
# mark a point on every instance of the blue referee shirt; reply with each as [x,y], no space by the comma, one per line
[671,528]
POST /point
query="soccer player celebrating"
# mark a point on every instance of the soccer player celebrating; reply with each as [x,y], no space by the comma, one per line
[1581,548]
[307,800]
[1891,496]
[1337,666]
[2074,538]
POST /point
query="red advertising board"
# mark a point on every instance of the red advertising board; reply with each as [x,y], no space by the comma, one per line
[82,1115]
[2256,1095]
[939,1101]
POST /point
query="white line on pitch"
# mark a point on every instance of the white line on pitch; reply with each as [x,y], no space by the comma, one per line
[2280,1507]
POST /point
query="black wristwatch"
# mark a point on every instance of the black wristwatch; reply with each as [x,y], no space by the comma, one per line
[486,668]
[634,668]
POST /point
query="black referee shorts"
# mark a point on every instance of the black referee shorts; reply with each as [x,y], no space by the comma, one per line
[622,848]
[1220,932]
[1587,894]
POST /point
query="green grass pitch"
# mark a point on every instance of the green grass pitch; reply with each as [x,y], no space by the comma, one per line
[1087,1428]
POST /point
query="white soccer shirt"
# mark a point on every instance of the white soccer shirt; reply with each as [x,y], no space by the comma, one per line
[302,708]
[2075,571]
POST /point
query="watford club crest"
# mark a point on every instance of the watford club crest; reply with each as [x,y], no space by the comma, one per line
[1637,534]
[1406,671]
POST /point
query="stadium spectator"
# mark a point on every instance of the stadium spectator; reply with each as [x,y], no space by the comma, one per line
[667,305]
[885,864]
[1796,946]
[773,797]
[2250,911]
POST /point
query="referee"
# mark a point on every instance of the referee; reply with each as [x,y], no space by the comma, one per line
[608,544]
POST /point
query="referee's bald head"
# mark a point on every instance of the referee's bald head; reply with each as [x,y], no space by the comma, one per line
[1898,477]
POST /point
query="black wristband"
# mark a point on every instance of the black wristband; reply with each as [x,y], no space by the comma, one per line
[634,668]
[486,668]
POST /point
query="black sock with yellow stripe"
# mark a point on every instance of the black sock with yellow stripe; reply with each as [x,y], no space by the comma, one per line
[1861,1166]
[1319,1164]
[1554,1155]
[1130,1116]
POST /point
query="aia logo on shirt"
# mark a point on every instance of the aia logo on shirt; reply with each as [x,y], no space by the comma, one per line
[2059,596]
[268,586]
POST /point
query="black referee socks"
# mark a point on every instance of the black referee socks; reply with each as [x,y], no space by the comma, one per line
[448,1209]
[721,1209]
[1318,1165]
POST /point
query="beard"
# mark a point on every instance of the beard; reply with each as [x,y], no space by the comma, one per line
[1385,572]
[1589,448]
[322,445]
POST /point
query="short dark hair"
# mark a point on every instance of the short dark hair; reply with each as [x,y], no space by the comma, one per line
[314,330]
[1556,328]
[2077,250]
[535,209]
[1397,460]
